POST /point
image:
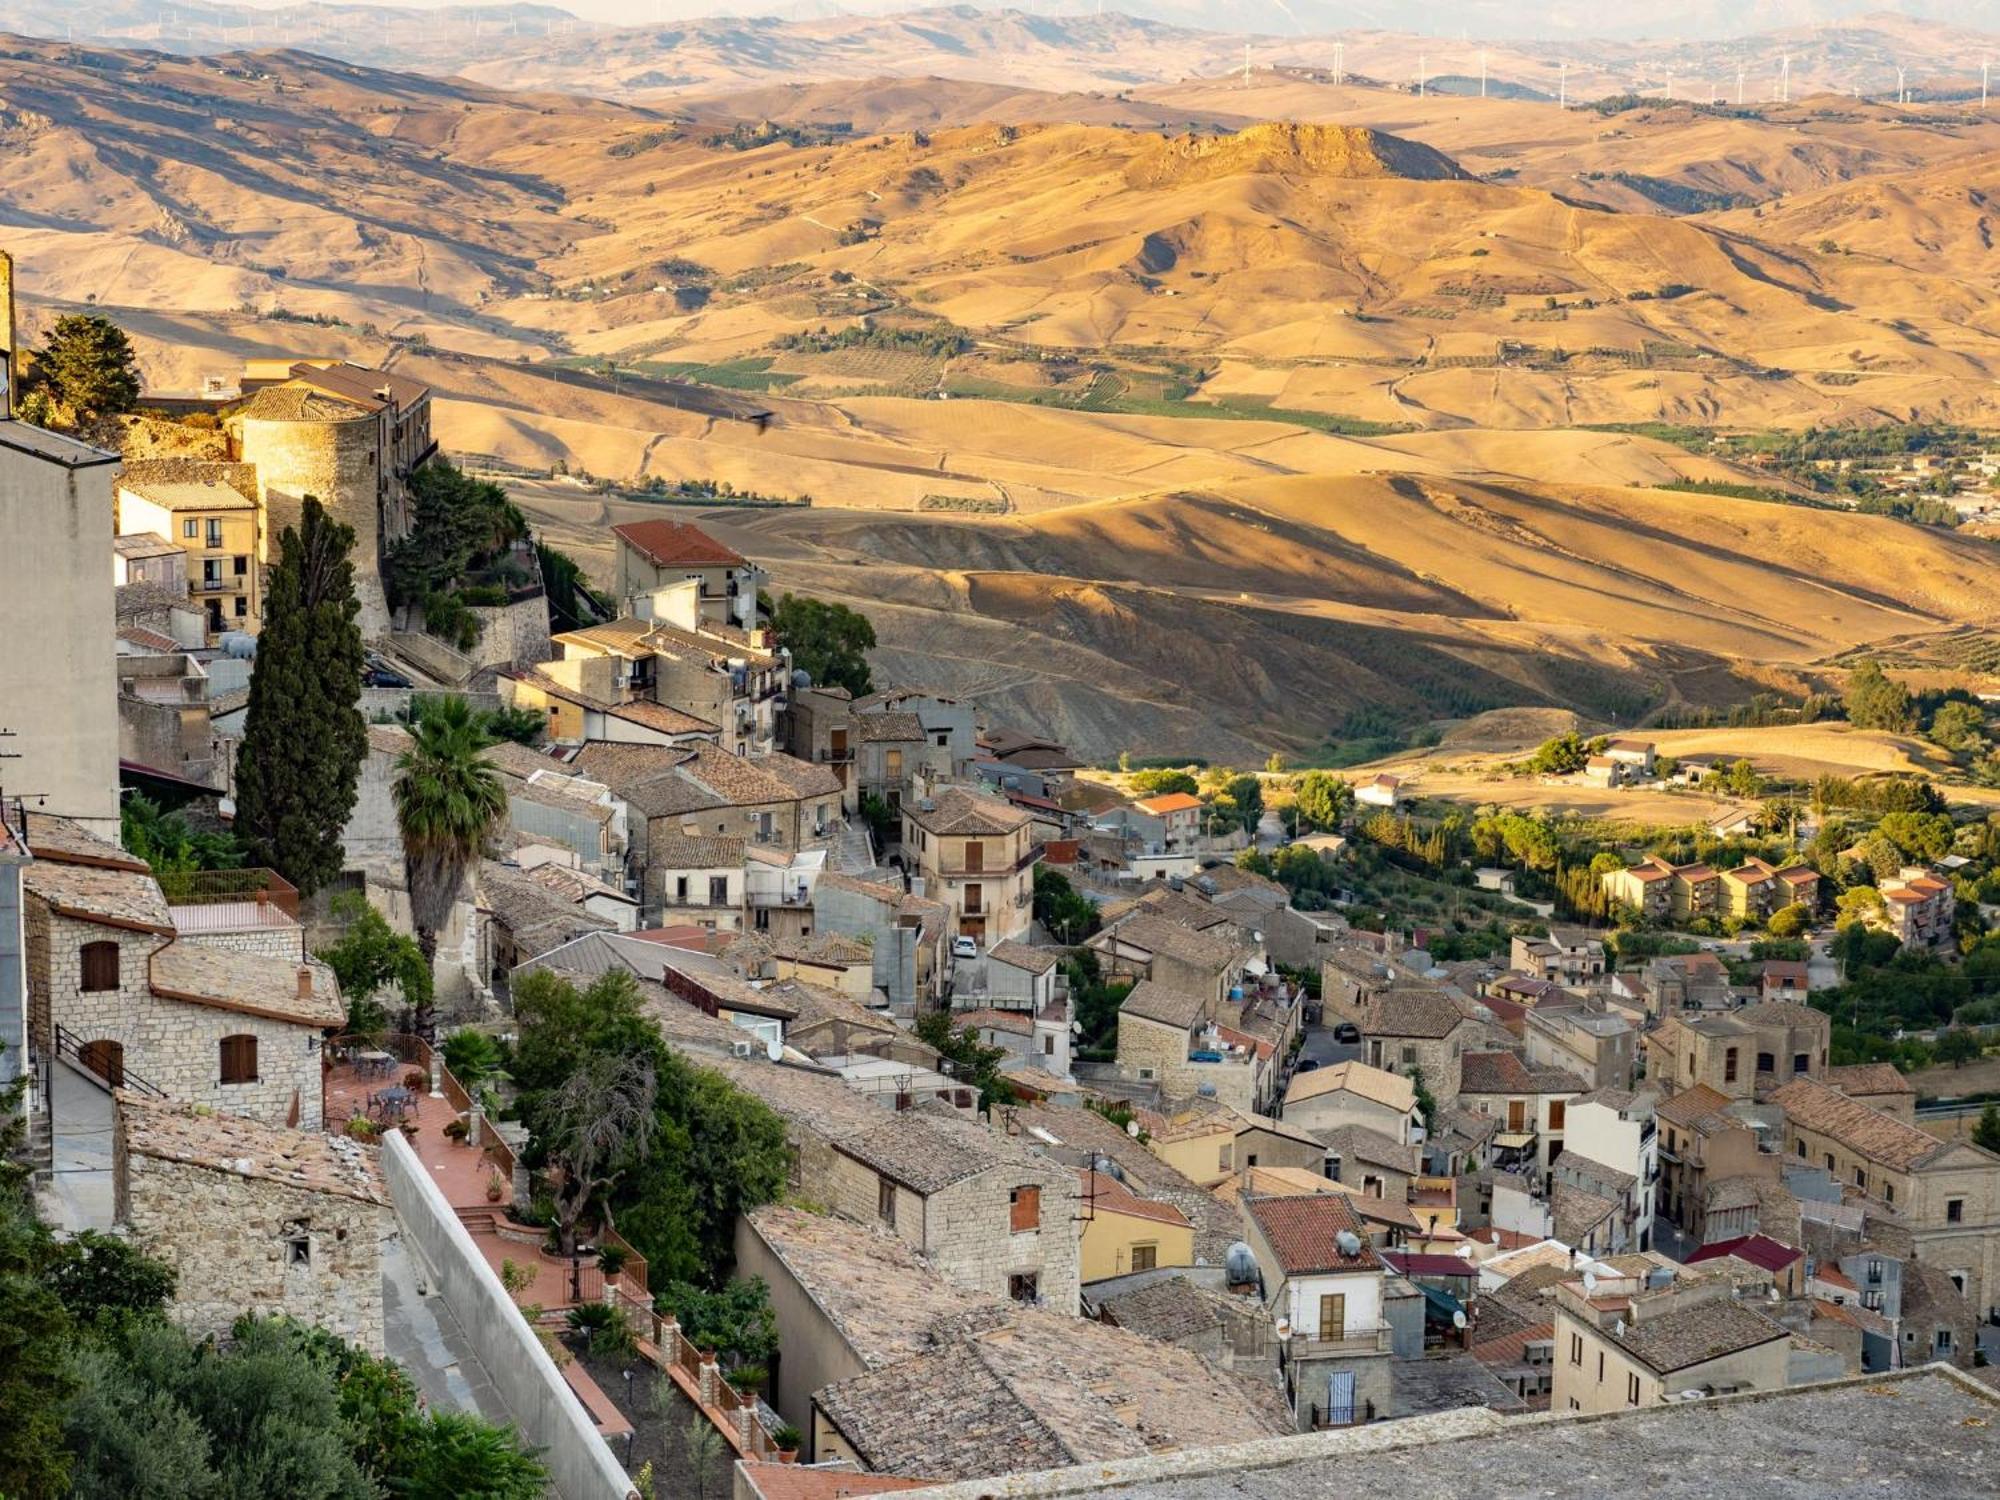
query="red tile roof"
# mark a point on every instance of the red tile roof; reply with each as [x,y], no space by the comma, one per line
[1168,803]
[1758,1249]
[1304,1232]
[1429,1265]
[671,542]
[797,1482]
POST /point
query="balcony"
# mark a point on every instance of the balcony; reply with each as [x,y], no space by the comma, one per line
[1327,1417]
[830,757]
[1356,1341]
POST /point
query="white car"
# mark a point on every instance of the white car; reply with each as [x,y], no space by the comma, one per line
[964,947]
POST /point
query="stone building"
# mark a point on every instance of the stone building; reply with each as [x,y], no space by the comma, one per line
[1210,960]
[1944,1195]
[113,991]
[58,697]
[1618,1347]
[220,530]
[658,554]
[976,854]
[254,1218]
[1739,1054]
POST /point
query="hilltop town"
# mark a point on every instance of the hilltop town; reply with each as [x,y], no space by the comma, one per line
[679,1050]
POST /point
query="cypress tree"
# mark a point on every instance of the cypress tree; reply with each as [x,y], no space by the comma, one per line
[304,737]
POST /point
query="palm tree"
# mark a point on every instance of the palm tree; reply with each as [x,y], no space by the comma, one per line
[447,800]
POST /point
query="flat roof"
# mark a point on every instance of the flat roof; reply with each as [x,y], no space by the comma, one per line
[52,447]
[1927,1431]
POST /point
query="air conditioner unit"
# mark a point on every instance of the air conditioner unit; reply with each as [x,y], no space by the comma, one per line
[741,1049]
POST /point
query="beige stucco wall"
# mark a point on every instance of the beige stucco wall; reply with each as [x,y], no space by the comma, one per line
[1109,1238]
[1579,1386]
[338,464]
[59,699]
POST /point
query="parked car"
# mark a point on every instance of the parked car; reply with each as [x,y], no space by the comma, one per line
[1307,1065]
[964,947]
[379,673]
[1347,1033]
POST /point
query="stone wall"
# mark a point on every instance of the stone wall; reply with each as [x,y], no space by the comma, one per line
[171,1044]
[272,942]
[544,1408]
[247,1244]
[971,1241]
[337,463]
[514,634]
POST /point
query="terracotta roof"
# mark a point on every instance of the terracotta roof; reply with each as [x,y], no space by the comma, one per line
[1757,1249]
[1303,1233]
[1212,949]
[1018,955]
[890,728]
[1412,1012]
[657,716]
[1867,1078]
[996,1020]
[1357,1078]
[1363,1144]
[1415,1264]
[309,1160]
[1695,1335]
[1170,802]
[252,983]
[1693,1106]
[362,385]
[680,851]
[671,543]
[1171,1308]
[1155,1002]
[295,401]
[956,811]
[1103,1193]
[919,1152]
[63,841]
[773,1481]
[1512,1348]
[1862,1129]
[111,897]
[196,494]
[1576,1211]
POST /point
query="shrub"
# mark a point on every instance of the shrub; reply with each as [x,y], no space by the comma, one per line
[787,1438]
[603,1327]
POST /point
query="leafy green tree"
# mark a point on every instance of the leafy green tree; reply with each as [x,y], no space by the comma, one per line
[1959,1046]
[299,768]
[830,642]
[1323,800]
[1158,781]
[1559,756]
[735,1319]
[1959,726]
[972,1061]
[169,844]
[1063,910]
[523,726]
[1789,921]
[371,956]
[1876,701]
[1987,1132]
[1859,904]
[1925,837]
[97,1275]
[88,367]
[468,1458]
[448,801]
[36,1379]
[1427,1104]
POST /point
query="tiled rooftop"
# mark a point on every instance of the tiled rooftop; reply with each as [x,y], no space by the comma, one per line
[956,811]
[1303,1231]
[306,1159]
[1861,1128]
[1695,1335]
[95,893]
[674,543]
[1358,1078]
[1155,1002]
[1214,949]
[248,982]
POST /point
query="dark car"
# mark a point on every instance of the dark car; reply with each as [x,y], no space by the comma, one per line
[381,675]
[1347,1032]
[1307,1065]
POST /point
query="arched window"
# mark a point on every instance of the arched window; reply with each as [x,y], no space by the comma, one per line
[100,966]
[239,1059]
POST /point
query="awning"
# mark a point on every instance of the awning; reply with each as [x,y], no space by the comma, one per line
[1514,1139]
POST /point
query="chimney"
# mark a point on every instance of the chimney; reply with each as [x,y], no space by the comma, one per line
[305,982]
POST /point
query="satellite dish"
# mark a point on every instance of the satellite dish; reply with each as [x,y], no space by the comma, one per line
[774,1049]
[1589,1283]
[1349,1242]
[1132,1129]
[1458,1319]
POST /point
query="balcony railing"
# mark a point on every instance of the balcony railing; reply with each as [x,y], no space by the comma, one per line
[1360,1341]
[230,888]
[1355,1415]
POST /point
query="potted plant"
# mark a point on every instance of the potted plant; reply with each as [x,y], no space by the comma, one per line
[362,1130]
[610,1260]
[417,1081]
[495,1188]
[786,1440]
[457,1130]
[748,1379]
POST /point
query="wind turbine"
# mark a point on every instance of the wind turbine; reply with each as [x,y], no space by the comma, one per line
[1423,66]
[1339,62]
[1562,87]
[1482,72]
[1983,67]
[1902,88]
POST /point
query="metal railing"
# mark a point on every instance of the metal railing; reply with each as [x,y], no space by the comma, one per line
[101,1067]
[229,887]
[1355,1414]
[1377,1340]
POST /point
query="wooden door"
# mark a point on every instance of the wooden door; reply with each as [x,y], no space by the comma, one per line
[106,1060]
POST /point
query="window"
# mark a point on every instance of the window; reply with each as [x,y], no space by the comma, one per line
[1889,1192]
[1145,1257]
[240,566]
[1048,1044]
[1729,1065]
[1944,1342]
[1800,1147]
[214,537]
[975,900]
[190,529]
[1600,1367]
[100,967]
[1576,1350]
[1801,1062]
[239,1059]
[1026,1287]
[1631,1390]
[1024,1209]
[763,919]
[1829,1163]
[1409,1056]
[718,890]
[975,855]
[1333,1316]
[885,1201]
[1860,1179]
[892,764]
[1954,1210]
[1766,1063]
[681,889]
[298,1243]
[242,607]
[1556,1111]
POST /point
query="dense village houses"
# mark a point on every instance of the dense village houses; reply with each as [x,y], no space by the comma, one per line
[651,556]
[1353,1093]
[1741,1053]
[977,855]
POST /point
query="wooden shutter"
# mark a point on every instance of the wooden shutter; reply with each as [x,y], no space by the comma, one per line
[1025,1209]
[100,966]
[239,1059]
